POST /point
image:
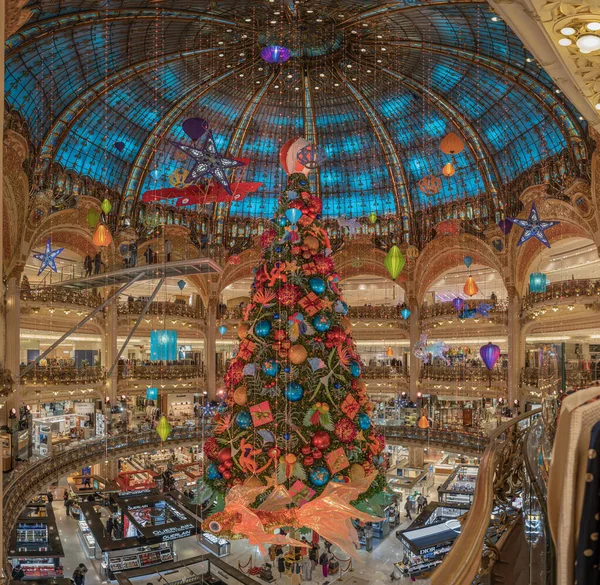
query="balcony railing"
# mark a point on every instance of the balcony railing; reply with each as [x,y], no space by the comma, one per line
[160,308]
[476,441]
[497,491]
[586,287]
[160,372]
[576,378]
[384,372]
[61,295]
[383,312]
[62,375]
[447,309]
[463,374]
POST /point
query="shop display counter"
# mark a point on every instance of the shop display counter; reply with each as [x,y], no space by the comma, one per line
[459,488]
[142,479]
[51,432]
[218,546]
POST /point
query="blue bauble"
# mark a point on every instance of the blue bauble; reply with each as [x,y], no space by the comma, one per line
[318,476]
[278,249]
[271,368]
[282,221]
[243,420]
[363,420]
[321,323]
[212,472]
[317,285]
[337,385]
[262,328]
[286,436]
[286,369]
[294,392]
[276,316]
[355,369]
[338,478]
[340,307]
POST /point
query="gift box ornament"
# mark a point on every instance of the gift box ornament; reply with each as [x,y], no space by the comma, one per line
[311,303]
[261,413]
[246,349]
[350,406]
[310,268]
[301,493]
[337,460]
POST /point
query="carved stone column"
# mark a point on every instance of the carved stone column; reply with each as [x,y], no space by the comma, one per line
[415,363]
[210,348]
[516,346]
[110,349]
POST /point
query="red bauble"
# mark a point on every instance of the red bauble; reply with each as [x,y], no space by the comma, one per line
[274,452]
[345,430]
[211,448]
[323,264]
[317,454]
[279,334]
[306,450]
[308,461]
[288,295]
[321,440]
[224,454]
[227,475]
[267,238]
[228,464]
[222,469]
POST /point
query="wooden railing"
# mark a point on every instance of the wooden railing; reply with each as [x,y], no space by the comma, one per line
[61,295]
[169,309]
[564,289]
[160,372]
[463,374]
[447,309]
[63,375]
[499,481]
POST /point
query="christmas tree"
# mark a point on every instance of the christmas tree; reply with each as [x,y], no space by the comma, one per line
[297,412]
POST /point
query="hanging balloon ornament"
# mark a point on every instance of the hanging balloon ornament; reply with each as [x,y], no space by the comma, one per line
[194,128]
[430,185]
[222,329]
[120,146]
[389,352]
[471,288]
[106,206]
[489,354]
[394,262]
[373,217]
[538,282]
[533,227]
[468,261]
[451,144]
[102,237]
[311,156]
[288,156]
[92,218]
[448,170]
[505,226]
[181,284]
[458,303]
[163,428]
[423,422]
[293,215]
[405,313]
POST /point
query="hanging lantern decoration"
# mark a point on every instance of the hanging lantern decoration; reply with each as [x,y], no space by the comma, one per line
[120,146]
[412,252]
[311,156]
[458,303]
[372,217]
[181,284]
[489,354]
[275,54]
[471,288]
[92,218]
[288,156]
[537,282]
[106,206]
[163,345]
[194,127]
[389,352]
[452,144]
[405,313]
[423,422]
[394,262]
[293,215]
[430,185]
[448,170]
[468,261]
[222,329]
[163,428]
[102,237]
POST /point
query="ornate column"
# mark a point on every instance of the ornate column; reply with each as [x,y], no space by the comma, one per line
[210,347]
[516,345]
[414,329]
[110,349]
[416,457]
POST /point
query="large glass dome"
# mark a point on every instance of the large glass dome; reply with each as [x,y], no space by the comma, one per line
[104,91]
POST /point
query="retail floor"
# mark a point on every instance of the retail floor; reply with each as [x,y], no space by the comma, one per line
[373,567]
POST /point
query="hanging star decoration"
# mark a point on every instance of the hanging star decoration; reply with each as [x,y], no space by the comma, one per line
[533,227]
[48,257]
[208,162]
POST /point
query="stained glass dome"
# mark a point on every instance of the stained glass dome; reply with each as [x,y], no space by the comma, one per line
[104,88]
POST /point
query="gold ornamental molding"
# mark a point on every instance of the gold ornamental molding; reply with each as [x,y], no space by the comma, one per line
[15,16]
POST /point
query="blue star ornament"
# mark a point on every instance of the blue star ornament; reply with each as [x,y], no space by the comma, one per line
[209,163]
[48,257]
[533,227]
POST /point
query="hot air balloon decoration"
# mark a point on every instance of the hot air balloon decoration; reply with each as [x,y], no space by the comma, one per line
[471,288]
[181,284]
[106,206]
[489,354]
[102,237]
[451,144]
[423,423]
[468,261]
[163,428]
[394,262]
[92,217]
[222,329]
[405,313]
[372,217]
[389,352]
[448,170]
[194,127]
[288,156]
[293,214]
[458,303]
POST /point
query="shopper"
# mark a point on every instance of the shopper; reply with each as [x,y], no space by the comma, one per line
[110,525]
[88,264]
[149,255]
[281,564]
[98,263]
[168,250]
[324,562]
[68,504]
[313,553]
[132,254]
[307,569]
[65,496]
[50,497]
[18,573]
[77,577]
[407,508]
[83,570]
[420,503]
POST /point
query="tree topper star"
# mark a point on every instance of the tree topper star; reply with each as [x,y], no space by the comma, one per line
[209,162]
[533,227]
[48,257]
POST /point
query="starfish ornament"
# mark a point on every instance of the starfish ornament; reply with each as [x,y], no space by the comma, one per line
[209,162]
[533,227]
[48,257]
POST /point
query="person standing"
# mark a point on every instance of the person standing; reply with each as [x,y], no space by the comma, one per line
[281,564]
[98,262]
[50,497]
[168,250]
[110,525]
[420,503]
[83,570]
[88,264]
[407,508]
[149,255]
[77,577]
[68,504]
[324,562]
[132,254]
[18,573]
[307,569]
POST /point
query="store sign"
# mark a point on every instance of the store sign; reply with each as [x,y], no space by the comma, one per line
[425,551]
[135,493]
[173,532]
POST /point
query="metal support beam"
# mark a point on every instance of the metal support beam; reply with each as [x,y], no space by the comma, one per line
[134,328]
[81,323]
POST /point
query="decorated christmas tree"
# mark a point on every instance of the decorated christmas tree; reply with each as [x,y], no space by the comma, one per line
[298,414]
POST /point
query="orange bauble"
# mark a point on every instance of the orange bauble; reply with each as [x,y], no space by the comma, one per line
[471,287]
[240,396]
[346,324]
[242,330]
[102,237]
[298,354]
[312,243]
[423,423]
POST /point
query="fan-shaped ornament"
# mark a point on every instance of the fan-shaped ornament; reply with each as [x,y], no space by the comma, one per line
[451,144]
[288,156]
[412,252]
[430,185]
[311,156]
